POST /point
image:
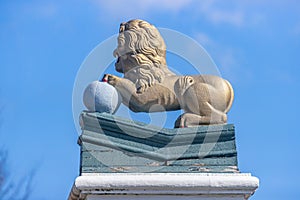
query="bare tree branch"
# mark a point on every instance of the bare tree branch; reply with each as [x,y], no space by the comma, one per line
[13,189]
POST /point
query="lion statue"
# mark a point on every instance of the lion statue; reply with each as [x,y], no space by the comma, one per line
[149,86]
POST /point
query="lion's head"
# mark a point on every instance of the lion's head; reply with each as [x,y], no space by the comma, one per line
[141,54]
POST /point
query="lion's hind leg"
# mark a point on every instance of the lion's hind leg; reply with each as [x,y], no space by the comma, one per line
[191,119]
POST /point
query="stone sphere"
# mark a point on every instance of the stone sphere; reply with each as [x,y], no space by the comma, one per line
[101,97]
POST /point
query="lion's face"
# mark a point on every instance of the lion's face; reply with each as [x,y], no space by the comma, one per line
[141,53]
[125,62]
[121,56]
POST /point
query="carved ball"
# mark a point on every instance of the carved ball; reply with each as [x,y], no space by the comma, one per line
[101,97]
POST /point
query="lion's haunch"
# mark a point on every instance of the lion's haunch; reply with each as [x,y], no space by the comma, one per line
[206,98]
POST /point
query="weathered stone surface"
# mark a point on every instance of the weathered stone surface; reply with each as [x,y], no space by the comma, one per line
[164,186]
[114,144]
[149,86]
[101,97]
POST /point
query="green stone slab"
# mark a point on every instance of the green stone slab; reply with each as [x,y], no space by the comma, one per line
[109,142]
[116,158]
[165,169]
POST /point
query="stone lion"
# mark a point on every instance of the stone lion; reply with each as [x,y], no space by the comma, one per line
[149,86]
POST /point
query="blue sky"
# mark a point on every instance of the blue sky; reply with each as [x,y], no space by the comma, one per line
[255,45]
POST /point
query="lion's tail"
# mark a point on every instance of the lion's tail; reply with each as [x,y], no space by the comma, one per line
[231,96]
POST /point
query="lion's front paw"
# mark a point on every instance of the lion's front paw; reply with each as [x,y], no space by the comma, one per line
[110,79]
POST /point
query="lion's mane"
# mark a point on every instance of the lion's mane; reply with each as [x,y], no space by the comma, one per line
[142,43]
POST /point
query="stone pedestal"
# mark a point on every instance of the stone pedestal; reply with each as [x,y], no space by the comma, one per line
[124,159]
[113,144]
[173,186]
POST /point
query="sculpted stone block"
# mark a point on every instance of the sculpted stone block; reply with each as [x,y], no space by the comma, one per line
[149,86]
[115,144]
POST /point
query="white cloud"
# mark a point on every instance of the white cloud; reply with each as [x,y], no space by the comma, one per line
[296,30]
[246,12]
[143,8]
[217,12]
[234,18]
[225,57]
[43,10]
[172,5]
[204,39]
[229,12]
